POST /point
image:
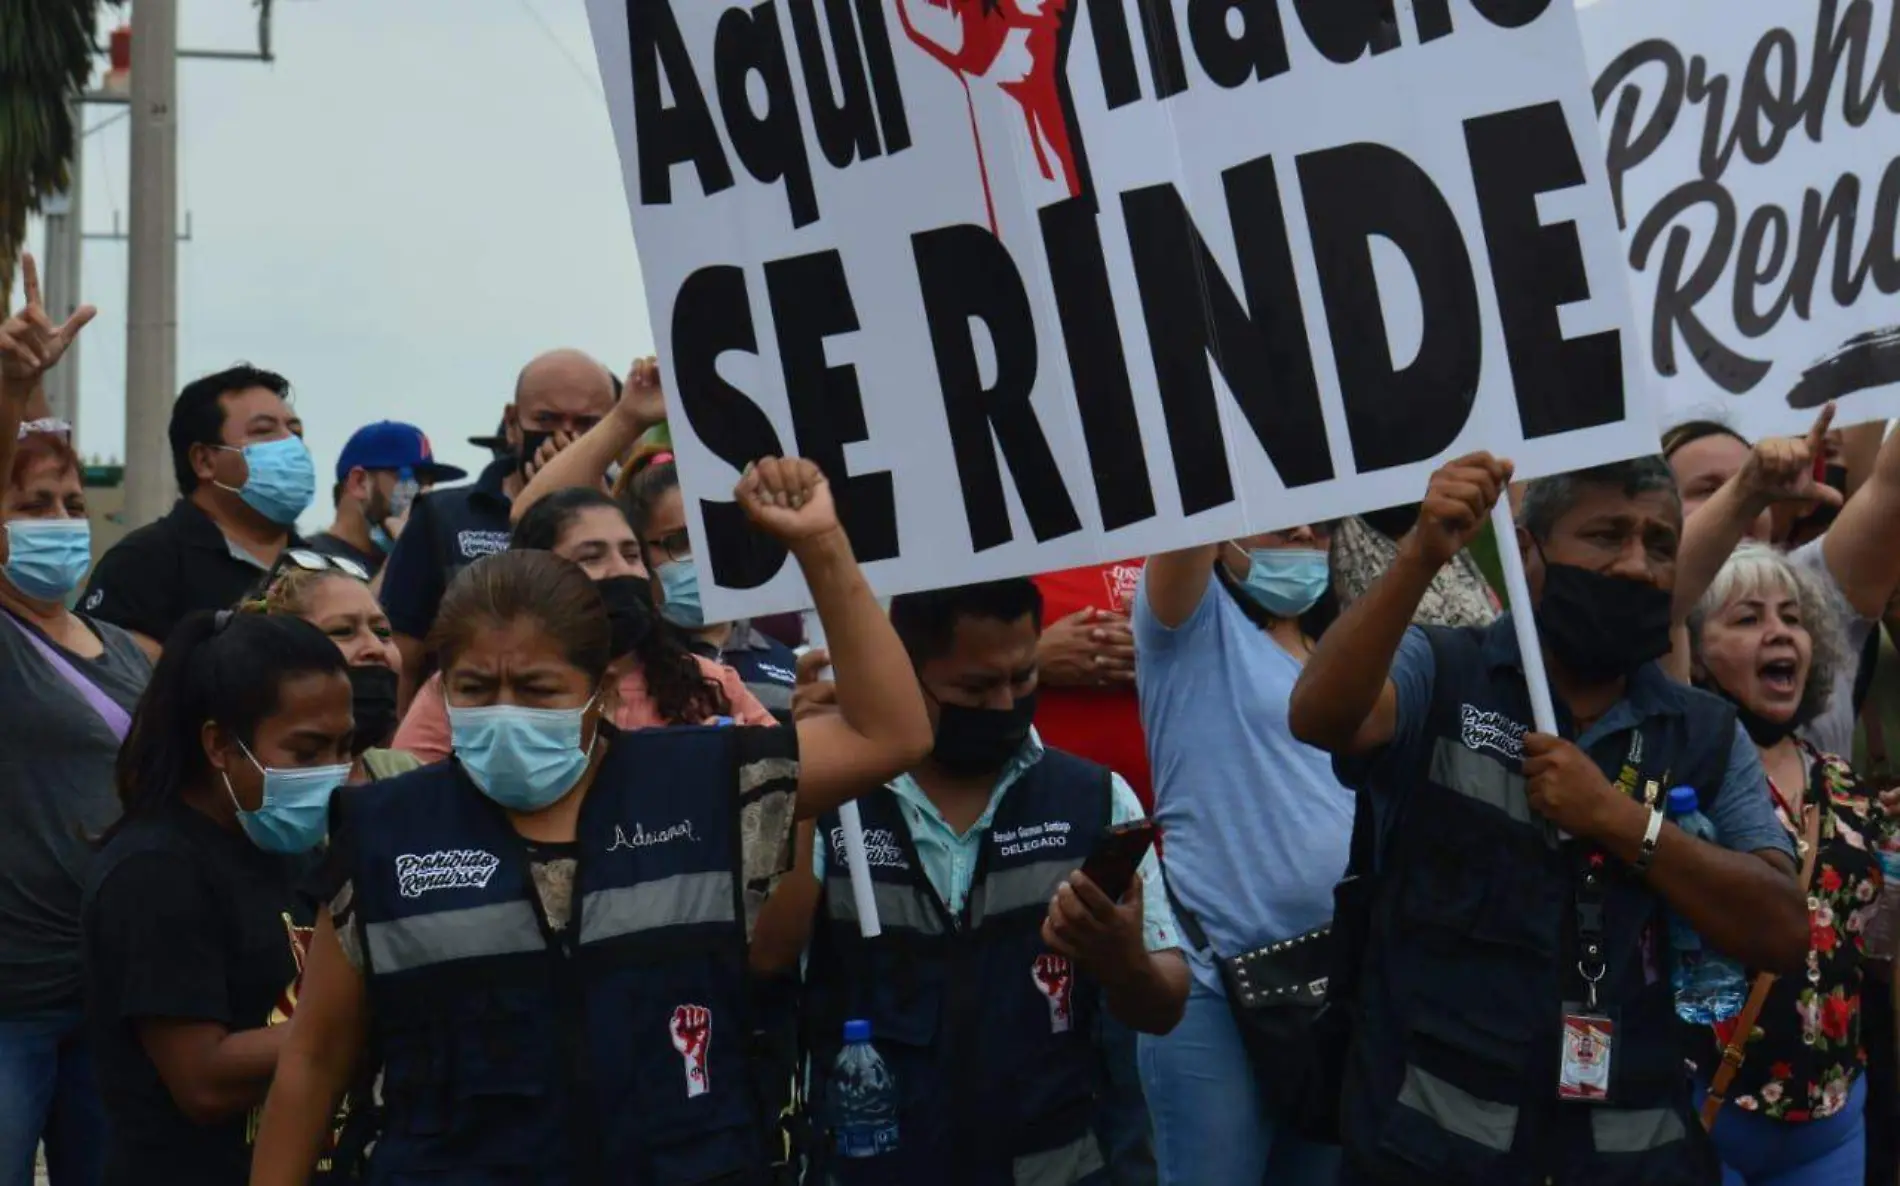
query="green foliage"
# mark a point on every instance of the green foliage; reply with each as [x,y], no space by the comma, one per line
[45,56]
[1484,549]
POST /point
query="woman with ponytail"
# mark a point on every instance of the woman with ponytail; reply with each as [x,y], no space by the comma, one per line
[193,929]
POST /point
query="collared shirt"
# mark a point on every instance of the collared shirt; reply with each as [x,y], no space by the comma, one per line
[1743,813]
[767,667]
[158,575]
[326,544]
[949,857]
[447,531]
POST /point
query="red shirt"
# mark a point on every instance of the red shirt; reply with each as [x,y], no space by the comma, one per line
[1100,724]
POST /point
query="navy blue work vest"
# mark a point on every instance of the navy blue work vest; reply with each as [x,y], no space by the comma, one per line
[989,1034]
[613,1052]
[1473,956]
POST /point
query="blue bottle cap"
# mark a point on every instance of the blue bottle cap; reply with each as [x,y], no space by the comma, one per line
[857,1031]
[1684,801]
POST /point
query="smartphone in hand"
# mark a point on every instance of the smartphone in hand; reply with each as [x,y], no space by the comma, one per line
[1118,855]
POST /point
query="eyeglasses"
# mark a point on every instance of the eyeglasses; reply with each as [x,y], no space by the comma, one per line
[677,547]
[317,562]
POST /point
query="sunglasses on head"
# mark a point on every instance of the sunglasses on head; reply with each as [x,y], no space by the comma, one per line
[317,562]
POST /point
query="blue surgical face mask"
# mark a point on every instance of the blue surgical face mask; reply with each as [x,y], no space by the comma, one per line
[522,758]
[1286,582]
[295,813]
[47,557]
[283,480]
[679,581]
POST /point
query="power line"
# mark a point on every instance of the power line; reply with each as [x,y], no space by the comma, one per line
[547,30]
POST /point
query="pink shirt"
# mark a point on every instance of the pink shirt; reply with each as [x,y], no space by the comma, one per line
[425,731]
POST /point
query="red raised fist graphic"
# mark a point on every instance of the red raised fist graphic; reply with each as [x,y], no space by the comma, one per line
[692,1036]
[1014,47]
[1055,978]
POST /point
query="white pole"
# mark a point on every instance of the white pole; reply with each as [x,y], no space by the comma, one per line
[1543,712]
[856,859]
[151,321]
[61,268]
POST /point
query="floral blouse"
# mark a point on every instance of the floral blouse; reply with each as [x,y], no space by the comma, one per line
[1805,1053]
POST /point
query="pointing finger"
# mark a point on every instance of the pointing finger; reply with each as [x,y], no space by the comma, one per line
[78,321]
[30,272]
[1817,435]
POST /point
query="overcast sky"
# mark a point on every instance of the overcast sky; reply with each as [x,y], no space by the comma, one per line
[415,198]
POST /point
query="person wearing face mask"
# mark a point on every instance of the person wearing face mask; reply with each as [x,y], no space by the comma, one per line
[559,396]
[1513,909]
[68,684]
[658,681]
[547,939]
[1796,1111]
[195,922]
[244,476]
[984,990]
[333,595]
[1256,830]
[650,491]
[382,469]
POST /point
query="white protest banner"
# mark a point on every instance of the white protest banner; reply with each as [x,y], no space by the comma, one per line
[1753,148]
[1045,282]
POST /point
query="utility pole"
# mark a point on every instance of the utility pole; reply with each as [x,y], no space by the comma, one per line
[64,226]
[151,355]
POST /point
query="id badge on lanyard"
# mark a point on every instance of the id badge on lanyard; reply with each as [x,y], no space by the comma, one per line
[1589,1030]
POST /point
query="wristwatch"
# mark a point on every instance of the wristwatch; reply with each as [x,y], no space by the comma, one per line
[1651,835]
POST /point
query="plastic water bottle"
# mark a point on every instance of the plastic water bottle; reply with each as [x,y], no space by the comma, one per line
[1710,987]
[863,1097]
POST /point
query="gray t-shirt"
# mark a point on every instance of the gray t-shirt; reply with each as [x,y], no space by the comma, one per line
[1833,731]
[56,797]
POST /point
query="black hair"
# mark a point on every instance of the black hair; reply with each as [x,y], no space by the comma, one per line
[217,666]
[1547,500]
[681,692]
[1691,431]
[927,622]
[198,413]
[644,493]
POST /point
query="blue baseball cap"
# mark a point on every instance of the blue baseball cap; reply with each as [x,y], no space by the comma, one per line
[393,445]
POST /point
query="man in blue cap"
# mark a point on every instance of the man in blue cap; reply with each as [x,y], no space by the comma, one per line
[380,472]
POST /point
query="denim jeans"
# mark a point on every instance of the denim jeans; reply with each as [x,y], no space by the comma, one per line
[1210,1128]
[47,1093]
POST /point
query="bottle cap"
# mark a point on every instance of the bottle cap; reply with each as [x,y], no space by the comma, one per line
[857,1031]
[1684,801]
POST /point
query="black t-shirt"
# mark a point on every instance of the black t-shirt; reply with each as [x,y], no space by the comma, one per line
[162,573]
[447,531]
[183,920]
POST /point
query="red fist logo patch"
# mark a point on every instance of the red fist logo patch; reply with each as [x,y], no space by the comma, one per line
[692,1037]
[1055,979]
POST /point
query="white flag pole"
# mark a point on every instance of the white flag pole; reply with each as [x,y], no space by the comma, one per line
[1543,712]
[856,859]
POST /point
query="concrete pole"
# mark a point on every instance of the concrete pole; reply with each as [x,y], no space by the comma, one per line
[151,355]
[64,228]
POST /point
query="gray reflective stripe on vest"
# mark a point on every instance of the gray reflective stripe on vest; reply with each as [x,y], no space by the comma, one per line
[1059,1167]
[1481,777]
[502,928]
[677,901]
[1018,888]
[1634,1130]
[898,906]
[1457,1111]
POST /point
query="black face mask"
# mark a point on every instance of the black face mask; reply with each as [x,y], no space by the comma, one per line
[373,701]
[1601,627]
[972,741]
[531,443]
[629,610]
[1762,731]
